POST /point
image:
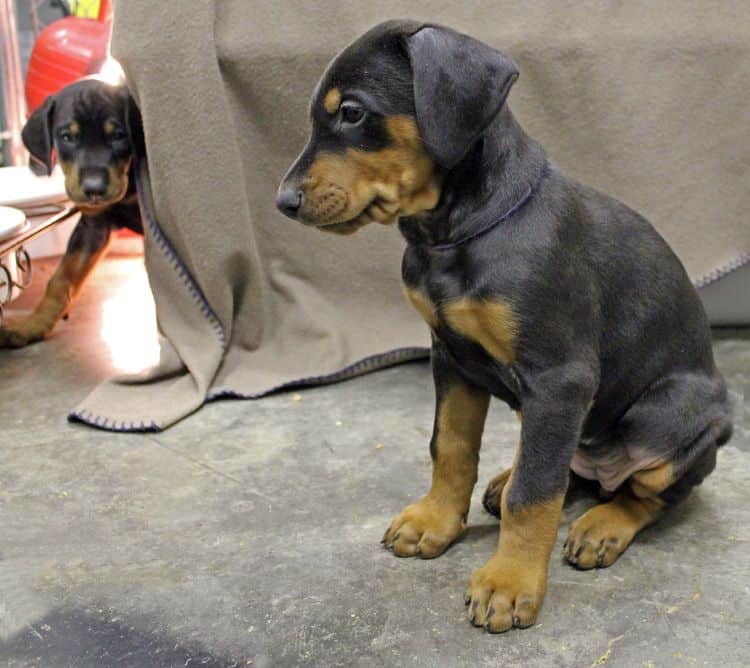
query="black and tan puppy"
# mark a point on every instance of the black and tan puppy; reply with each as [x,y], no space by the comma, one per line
[95,132]
[557,299]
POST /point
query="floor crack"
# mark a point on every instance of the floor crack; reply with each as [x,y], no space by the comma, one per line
[213,470]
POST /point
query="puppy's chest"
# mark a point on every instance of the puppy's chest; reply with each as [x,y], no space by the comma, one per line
[479,333]
[489,322]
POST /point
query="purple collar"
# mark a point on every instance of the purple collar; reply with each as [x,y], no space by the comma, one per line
[483,230]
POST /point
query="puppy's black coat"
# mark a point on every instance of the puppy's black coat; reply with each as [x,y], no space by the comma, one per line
[94,131]
[556,298]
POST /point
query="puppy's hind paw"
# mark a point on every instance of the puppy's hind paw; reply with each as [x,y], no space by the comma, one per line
[494,493]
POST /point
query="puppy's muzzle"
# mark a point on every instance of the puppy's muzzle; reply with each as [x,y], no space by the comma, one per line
[94,184]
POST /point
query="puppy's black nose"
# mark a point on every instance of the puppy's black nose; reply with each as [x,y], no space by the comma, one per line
[289,200]
[94,184]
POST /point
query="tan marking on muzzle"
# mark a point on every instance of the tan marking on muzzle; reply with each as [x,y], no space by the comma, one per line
[116,188]
[360,186]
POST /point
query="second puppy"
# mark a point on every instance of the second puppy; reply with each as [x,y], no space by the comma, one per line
[94,130]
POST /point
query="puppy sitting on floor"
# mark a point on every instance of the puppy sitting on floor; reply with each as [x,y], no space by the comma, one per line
[95,131]
[545,293]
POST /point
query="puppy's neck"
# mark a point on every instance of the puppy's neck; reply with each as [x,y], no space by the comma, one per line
[494,176]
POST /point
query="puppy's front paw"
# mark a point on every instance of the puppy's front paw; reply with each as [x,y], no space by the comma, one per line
[506,592]
[424,529]
[18,338]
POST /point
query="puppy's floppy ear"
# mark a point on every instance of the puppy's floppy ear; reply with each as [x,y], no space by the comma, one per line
[37,133]
[134,124]
[460,84]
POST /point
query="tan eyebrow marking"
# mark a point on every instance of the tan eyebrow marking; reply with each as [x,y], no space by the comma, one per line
[332,100]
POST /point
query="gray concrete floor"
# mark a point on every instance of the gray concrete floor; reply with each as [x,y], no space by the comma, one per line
[249,534]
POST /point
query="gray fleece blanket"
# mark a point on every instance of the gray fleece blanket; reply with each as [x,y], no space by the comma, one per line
[647,101]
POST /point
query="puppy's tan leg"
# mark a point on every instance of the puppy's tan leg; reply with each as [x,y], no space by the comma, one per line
[426,528]
[87,246]
[509,589]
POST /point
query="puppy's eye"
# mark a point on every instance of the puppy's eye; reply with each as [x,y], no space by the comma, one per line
[66,136]
[352,113]
[119,135]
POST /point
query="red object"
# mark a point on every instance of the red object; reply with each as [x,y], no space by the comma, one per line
[105,11]
[65,51]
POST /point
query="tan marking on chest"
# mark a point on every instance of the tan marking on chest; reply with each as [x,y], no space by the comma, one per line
[423,305]
[332,101]
[491,324]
